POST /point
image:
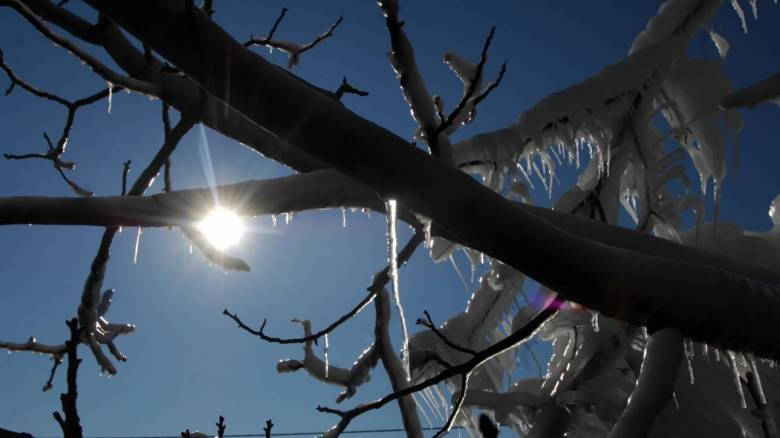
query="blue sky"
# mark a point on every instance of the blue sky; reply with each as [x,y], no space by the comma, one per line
[188,363]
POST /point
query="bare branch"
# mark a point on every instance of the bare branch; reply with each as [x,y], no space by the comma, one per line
[750,96]
[464,381]
[125,171]
[70,425]
[267,428]
[96,66]
[345,87]
[380,280]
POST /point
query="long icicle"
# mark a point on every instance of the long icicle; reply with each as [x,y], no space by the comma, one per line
[393,257]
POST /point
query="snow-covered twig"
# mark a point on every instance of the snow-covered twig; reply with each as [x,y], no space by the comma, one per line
[349,378]
[472,82]
[413,86]
[293,50]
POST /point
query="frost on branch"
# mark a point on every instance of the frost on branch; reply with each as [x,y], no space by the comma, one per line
[349,378]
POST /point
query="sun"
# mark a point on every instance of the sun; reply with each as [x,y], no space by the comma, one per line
[222,228]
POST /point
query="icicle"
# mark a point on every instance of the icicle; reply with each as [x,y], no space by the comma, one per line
[343,217]
[688,346]
[757,377]
[427,231]
[460,275]
[705,350]
[740,13]
[325,354]
[594,320]
[121,228]
[720,43]
[273,220]
[737,382]
[717,355]
[190,249]
[676,403]
[110,95]
[754,7]
[422,410]
[137,242]
[393,257]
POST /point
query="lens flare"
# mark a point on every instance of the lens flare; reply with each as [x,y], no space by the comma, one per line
[222,228]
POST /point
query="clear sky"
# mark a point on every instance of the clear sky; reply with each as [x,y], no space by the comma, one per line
[188,363]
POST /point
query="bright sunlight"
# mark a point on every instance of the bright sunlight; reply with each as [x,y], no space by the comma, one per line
[222,228]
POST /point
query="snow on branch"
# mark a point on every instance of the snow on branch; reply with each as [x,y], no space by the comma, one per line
[471,76]
[413,86]
[350,378]
[293,50]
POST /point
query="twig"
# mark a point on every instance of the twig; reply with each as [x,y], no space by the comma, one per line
[125,171]
[221,426]
[292,49]
[70,425]
[346,87]
[57,359]
[267,429]
[470,95]
[430,325]
[456,408]
[380,280]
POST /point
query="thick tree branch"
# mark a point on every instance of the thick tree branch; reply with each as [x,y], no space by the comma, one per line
[396,170]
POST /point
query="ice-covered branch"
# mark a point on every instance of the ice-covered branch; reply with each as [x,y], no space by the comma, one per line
[472,82]
[413,86]
[349,378]
[392,364]
[212,253]
[293,50]
[482,356]
[750,96]
[34,346]
[654,386]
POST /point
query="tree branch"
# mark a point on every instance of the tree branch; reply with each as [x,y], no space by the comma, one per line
[654,386]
